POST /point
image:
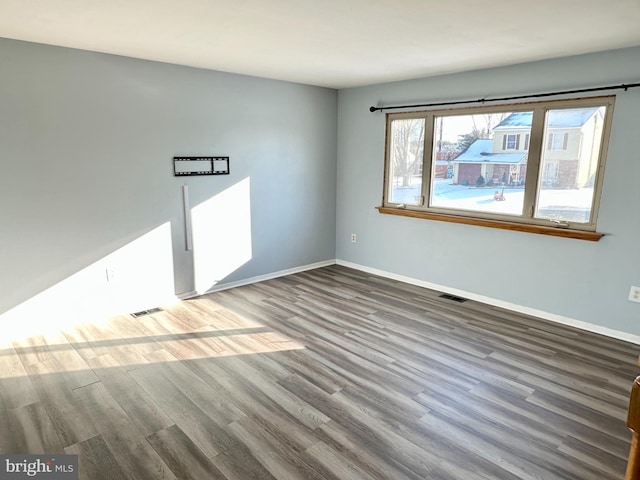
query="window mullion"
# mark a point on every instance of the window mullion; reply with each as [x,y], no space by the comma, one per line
[427,160]
[533,162]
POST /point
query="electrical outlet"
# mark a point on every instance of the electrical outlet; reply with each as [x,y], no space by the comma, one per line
[634,294]
[353,238]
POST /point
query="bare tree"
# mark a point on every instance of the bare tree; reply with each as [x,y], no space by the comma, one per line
[407,148]
[482,128]
[493,119]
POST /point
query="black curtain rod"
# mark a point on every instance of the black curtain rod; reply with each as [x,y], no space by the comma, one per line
[624,86]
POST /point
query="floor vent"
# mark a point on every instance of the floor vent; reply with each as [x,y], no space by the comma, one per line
[453,298]
[146,312]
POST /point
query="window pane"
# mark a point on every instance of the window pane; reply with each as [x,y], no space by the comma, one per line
[406,156]
[480,162]
[569,162]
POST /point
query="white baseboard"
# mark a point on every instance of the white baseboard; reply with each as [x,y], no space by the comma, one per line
[267,276]
[590,327]
[186,295]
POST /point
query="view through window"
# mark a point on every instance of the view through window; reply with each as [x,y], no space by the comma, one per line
[537,163]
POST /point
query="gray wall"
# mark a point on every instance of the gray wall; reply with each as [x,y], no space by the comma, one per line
[582,280]
[86,182]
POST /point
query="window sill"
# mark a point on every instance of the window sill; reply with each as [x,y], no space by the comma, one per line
[483,222]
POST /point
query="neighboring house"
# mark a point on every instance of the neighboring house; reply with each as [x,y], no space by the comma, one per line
[441,169]
[503,159]
[480,160]
[411,167]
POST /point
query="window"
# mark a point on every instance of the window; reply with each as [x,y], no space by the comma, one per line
[529,167]
[558,141]
[550,175]
[510,142]
[406,159]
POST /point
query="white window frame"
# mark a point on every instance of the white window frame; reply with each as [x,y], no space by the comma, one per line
[527,221]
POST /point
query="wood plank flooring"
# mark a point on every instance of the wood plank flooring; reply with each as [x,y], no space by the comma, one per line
[326,374]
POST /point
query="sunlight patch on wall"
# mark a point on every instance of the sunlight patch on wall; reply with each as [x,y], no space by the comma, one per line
[135,277]
[221,235]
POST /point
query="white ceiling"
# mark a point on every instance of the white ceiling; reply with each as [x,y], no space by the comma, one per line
[331,43]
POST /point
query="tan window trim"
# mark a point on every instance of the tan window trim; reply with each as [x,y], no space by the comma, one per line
[483,222]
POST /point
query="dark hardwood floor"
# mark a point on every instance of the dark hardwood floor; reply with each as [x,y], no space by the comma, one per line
[326,374]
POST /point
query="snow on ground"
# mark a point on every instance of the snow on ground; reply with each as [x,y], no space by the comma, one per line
[552,203]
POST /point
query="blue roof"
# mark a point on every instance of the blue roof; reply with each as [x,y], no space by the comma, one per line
[480,152]
[575,117]
[517,119]
[565,118]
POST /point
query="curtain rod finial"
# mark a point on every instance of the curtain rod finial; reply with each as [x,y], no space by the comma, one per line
[372,109]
